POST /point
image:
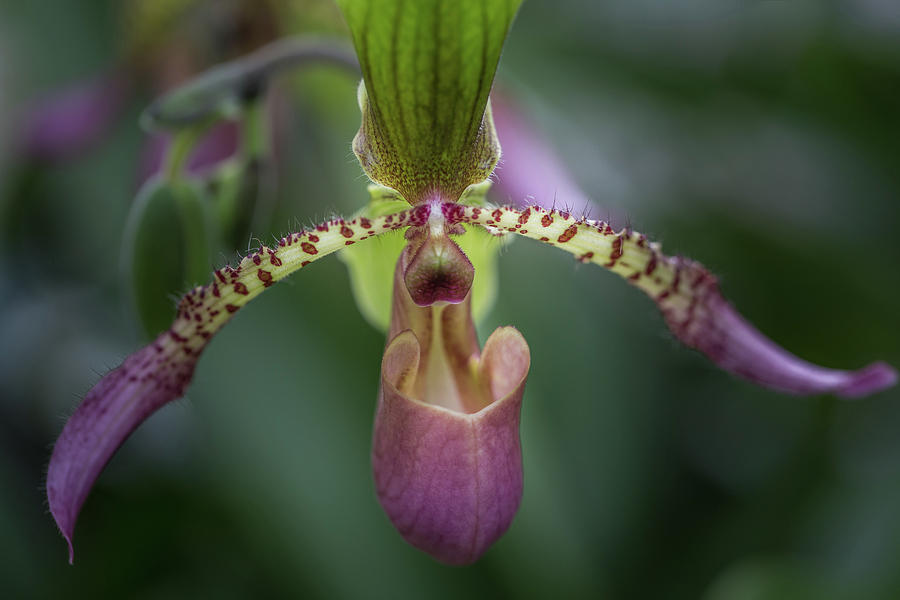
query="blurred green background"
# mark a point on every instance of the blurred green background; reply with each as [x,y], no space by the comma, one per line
[761,138]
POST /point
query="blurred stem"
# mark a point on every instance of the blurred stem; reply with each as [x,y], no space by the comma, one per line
[180,150]
[254,131]
[220,89]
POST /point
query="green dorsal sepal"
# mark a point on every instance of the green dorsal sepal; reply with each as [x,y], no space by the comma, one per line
[427,69]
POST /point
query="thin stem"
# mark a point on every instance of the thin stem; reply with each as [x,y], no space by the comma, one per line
[219,90]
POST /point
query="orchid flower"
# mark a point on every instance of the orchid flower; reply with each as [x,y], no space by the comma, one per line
[446,453]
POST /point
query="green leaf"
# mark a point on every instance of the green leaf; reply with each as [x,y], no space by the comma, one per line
[428,66]
[165,250]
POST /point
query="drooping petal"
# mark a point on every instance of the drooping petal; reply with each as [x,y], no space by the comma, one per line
[687,295]
[450,481]
[160,372]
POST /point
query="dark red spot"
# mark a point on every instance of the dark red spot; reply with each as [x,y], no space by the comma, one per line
[275,260]
[497,214]
[231,308]
[546,220]
[454,213]
[309,248]
[256,259]
[616,249]
[304,263]
[215,290]
[616,253]
[349,243]
[313,238]
[523,218]
[220,276]
[365,223]
[545,239]
[568,234]
[651,264]
[346,231]
[177,337]
[418,215]
[701,276]
[634,276]
[240,288]
[265,277]
[322,227]
[213,313]
[586,256]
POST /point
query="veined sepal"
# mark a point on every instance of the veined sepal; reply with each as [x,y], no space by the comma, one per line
[389,165]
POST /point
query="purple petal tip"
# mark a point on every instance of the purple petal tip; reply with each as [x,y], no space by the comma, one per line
[74,118]
[122,400]
[712,325]
[868,380]
[71,549]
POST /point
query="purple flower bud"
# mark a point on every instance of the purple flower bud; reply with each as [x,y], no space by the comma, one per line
[216,146]
[74,118]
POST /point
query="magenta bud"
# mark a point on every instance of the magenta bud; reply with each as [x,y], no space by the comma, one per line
[451,481]
[439,271]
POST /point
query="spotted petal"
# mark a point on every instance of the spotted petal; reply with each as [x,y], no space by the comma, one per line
[160,372]
[688,297]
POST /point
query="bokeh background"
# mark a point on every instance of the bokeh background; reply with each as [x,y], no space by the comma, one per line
[759,137]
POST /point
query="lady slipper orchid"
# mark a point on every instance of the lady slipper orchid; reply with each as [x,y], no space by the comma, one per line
[446,454]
